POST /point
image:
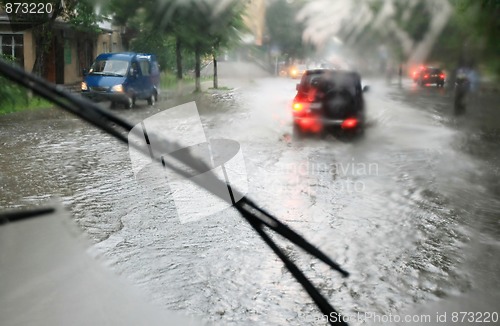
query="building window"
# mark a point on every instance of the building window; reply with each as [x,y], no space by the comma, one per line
[12,45]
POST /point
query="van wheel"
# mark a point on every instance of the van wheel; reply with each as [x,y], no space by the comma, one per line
[152,99]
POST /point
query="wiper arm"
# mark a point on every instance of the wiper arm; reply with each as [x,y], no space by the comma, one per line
[257,217]
[258,222]
[276,225]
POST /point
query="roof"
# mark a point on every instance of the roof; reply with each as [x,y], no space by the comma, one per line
[333,71]
[27,21]
[429,68]
[329,76]
[125,55]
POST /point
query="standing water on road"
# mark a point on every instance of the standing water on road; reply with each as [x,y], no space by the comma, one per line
[407,209]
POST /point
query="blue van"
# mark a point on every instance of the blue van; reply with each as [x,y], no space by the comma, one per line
[123,78]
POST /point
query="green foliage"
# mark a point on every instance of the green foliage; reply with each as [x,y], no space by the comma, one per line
[10,93]
[30,104]
[418,26]
[157,26]
[151,42]
[163,45]
[283,30]
[471,36]
[376,5]
[84,18]
[15,98]
[168,80]
[202,24]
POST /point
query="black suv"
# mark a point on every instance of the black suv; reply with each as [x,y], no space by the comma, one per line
[329,100]
[430,75]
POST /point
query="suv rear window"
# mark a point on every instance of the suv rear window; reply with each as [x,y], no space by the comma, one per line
[328,80]
[434,71]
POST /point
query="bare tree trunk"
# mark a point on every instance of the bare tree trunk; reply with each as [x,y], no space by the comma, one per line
[216,81]
[214,55]
[197,68]
[442,10]
[178,57]
[42,39]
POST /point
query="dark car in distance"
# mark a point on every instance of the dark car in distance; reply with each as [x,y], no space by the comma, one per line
[329,100]
[431,75]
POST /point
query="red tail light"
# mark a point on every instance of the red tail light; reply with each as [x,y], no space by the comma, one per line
[298,107]
[426,76]
[349,123]
[441,76]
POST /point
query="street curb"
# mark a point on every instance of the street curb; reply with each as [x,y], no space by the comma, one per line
[489,87]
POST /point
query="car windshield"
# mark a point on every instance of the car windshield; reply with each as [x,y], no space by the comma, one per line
[370,127]
[109,67]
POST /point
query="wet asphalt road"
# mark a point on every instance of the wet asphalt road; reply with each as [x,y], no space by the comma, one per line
[411,210]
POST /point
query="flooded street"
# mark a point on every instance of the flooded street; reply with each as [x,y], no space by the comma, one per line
[411,210]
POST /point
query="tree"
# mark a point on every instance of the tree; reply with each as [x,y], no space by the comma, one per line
[199,27]
[203,26]
[125,13]
[150,27]
[409,28]
[284,31]
[224,30]
[478,23]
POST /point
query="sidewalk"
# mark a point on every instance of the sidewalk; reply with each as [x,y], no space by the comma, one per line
[489,87]
[232,74]
[187,89]
[183,89]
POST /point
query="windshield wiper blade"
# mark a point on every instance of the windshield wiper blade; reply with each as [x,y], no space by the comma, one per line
[257,217]
[282,229]
[23,214]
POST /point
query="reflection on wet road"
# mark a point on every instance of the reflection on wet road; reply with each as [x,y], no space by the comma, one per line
[411,210]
